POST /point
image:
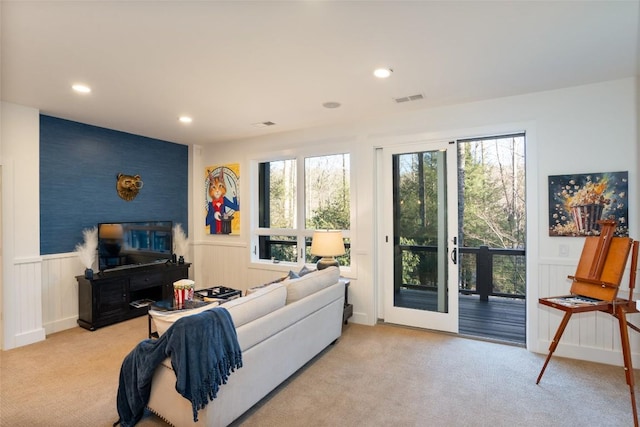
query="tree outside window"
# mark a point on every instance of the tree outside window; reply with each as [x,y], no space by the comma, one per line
[323,197]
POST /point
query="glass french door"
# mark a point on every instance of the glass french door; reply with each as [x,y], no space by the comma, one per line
[419,232]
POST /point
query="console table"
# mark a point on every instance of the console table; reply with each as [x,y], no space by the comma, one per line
[110,296]
[348,308]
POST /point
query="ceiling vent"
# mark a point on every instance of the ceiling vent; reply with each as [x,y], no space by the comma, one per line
[264,124]
[417,97]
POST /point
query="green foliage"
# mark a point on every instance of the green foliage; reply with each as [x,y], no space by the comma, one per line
[492,197]
[281,248]
[410,262]
[327,192]
[282,193]
[416,206]
[325,196]
[283,253]
[491,209]
[334,215]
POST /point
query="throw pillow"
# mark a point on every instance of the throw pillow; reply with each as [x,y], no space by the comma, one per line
[305,271]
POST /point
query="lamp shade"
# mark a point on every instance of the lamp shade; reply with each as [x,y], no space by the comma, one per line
[327,243]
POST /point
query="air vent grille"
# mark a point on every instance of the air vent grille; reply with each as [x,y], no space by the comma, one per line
[417,97]
[264,124]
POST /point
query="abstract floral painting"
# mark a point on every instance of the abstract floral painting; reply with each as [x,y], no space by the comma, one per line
[578,202]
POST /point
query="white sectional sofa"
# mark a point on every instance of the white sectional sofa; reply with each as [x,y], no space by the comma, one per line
[280,327]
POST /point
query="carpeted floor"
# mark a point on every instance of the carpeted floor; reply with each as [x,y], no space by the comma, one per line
[377,376]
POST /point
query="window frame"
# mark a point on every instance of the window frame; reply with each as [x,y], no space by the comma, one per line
[299,231]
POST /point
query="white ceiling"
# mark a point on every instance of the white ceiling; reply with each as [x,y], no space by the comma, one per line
[232,64]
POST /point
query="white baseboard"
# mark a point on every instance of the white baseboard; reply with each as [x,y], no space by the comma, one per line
[29,337]
[590,354]
[61,325]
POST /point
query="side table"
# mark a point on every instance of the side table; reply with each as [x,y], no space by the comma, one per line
[202,297]
[218,292]
[348,308]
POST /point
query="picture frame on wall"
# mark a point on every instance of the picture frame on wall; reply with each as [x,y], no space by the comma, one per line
[578,201]
[222,205]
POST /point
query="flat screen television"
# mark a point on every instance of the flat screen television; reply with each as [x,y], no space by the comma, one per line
[122,244]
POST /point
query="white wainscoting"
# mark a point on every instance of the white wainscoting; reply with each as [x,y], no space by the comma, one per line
[213,264]
[227,264]
[26,295]
[588,336]
[217,264]
[60,291]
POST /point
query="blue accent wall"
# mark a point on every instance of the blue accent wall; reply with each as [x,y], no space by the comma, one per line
[79,164]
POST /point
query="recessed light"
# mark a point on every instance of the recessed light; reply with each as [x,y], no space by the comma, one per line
[331,104]
[185,119]
[382,73]
[81,88]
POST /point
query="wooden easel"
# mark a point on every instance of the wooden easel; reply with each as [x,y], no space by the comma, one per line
[595,288]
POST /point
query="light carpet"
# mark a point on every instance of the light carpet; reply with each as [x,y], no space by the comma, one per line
[379,375]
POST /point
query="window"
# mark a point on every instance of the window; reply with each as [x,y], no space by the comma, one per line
[297,196]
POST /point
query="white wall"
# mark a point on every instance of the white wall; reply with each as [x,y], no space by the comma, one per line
[21,269]
[598,121]
[581,129]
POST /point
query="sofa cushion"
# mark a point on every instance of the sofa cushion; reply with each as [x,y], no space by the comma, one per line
[255,288]
[261,330]
[310,283]
[257,304]
[164,319]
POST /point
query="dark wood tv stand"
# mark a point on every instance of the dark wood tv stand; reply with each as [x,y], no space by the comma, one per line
[106,299]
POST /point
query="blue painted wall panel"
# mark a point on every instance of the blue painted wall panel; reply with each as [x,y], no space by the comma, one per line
[78,168]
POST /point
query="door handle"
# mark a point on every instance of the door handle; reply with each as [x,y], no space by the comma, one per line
[454,252]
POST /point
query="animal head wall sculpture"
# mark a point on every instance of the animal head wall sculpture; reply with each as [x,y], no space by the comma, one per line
[128,186]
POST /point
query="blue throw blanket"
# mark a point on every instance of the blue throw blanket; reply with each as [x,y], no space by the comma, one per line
[204,350]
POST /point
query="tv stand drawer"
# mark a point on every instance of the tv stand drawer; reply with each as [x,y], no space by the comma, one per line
[146,280]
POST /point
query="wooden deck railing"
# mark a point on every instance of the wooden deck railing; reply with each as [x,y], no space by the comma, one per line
[481,276]
[485,280]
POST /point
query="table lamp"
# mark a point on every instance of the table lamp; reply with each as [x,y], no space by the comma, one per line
[327,244]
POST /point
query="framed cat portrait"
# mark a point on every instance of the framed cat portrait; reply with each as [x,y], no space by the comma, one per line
[222,204]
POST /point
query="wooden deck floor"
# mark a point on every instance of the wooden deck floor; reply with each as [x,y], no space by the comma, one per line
[501,319]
